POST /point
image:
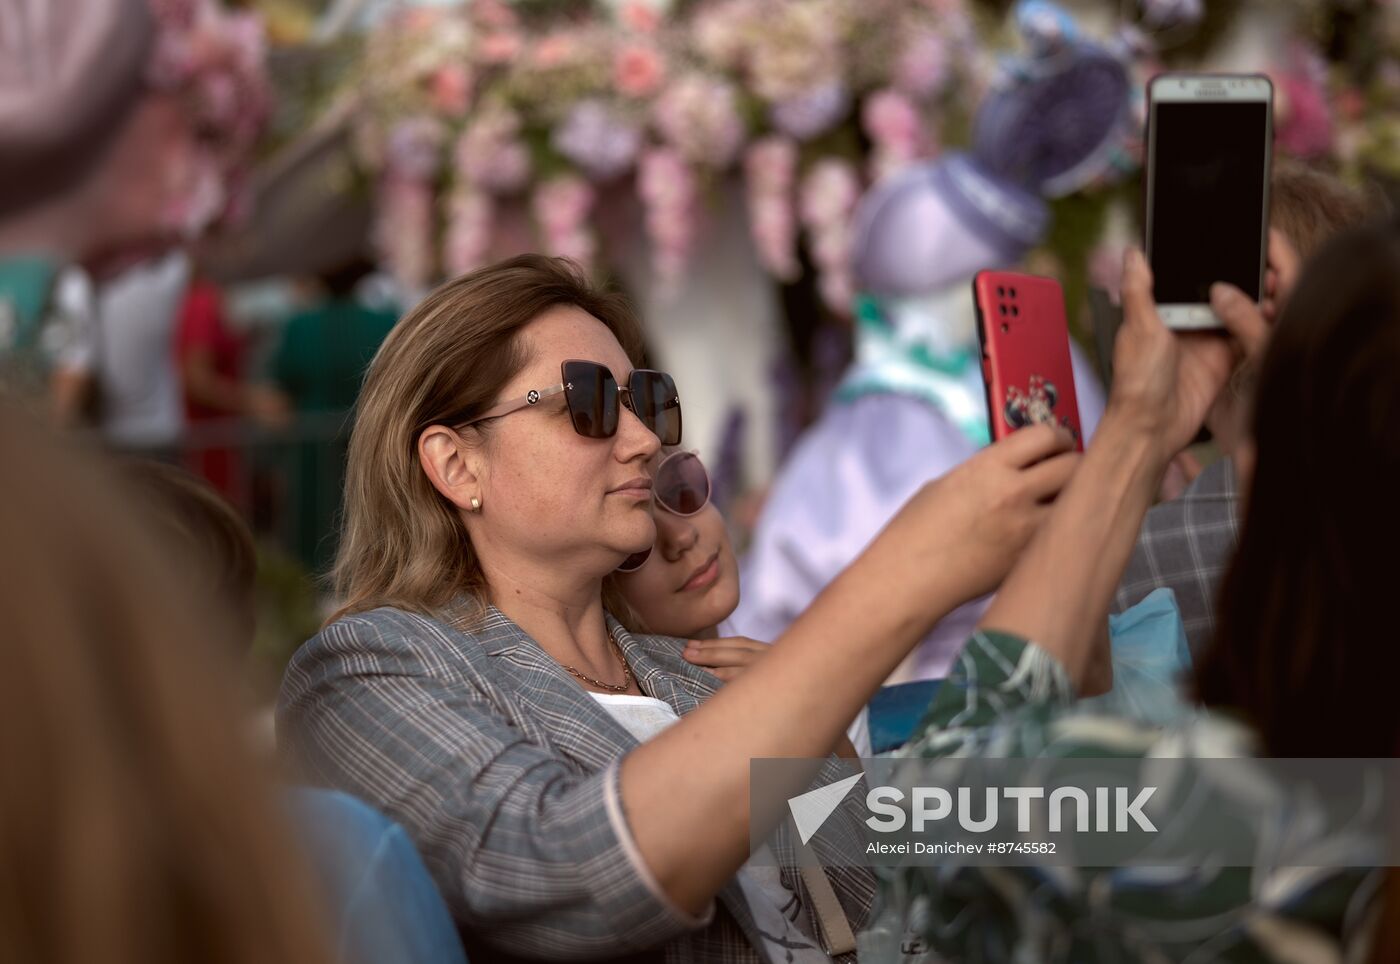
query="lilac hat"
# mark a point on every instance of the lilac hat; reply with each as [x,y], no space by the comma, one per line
[939,222]
[70,71]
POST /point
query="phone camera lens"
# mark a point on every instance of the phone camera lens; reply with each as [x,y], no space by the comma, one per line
[1005,327]
[1015,312]
[1001,291]
[1012,292]
[1002,309]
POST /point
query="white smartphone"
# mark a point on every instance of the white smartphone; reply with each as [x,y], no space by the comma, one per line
[1209,154]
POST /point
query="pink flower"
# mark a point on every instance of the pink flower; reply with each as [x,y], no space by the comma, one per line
[719,31]
[499,48]
[1304,125]
[829,193]
[470,215]
[489,153]
[770,169]
[922,66]
[638,70]
[699,116]
[493,13]
[895,128]
[414,148]
[639,16]
[828,199]
[450,90]
[667,188]
[553,50]
[561,207]
[403,231]
[892,121]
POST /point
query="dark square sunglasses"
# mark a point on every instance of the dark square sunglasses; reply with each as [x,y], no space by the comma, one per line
[595,398]
[681,487]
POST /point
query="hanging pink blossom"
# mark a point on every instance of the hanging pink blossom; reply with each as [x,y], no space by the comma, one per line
[561,207]
[639,16]
[450,90]
[470,215]
[668,191]
[414,148]
[490,155]
[638,70]
[499,48]
[720,31]
[770,171]
[699,116]
[1304,116]
[403,232]
[922,67]
[896,130]
[554,49]
[828,198]
[493,13]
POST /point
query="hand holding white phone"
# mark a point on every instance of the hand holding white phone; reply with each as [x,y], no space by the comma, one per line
[1209,152]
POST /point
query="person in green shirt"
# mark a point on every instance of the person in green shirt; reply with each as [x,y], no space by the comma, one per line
[1303,662]
[320,364]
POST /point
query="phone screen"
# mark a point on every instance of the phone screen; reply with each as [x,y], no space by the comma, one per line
[1209,165]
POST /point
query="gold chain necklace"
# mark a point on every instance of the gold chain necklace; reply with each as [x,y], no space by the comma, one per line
[626,670]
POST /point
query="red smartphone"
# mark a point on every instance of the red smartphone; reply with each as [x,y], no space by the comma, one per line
[1025,353]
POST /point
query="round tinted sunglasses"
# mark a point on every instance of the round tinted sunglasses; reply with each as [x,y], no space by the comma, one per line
[681,487]
[595,398]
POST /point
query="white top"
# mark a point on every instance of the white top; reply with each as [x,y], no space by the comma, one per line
[136,370]
[777,911]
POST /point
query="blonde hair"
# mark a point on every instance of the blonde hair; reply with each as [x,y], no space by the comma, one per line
[135,823]
[402,543]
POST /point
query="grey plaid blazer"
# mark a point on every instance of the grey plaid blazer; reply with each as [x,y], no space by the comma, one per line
[1186,545]
[505,773]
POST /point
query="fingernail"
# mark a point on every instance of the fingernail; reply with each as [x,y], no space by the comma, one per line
[1221,292]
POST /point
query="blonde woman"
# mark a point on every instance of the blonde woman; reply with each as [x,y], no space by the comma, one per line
[498,472]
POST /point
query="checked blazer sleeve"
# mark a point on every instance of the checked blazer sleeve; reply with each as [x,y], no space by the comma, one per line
[530,850]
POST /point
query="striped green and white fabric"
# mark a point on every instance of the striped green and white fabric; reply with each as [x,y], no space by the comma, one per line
[1007,698]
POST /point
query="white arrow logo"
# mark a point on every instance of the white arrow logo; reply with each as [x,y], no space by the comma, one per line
[810,809]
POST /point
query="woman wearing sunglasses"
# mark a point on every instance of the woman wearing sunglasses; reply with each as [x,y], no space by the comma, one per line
[498,471]
[687,584]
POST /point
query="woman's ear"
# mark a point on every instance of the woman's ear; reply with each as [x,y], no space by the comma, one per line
[451,465]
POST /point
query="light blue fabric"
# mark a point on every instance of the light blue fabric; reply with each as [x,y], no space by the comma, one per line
[1151,661]
[383,903]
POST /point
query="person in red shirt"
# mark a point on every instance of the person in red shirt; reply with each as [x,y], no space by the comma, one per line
[211,358]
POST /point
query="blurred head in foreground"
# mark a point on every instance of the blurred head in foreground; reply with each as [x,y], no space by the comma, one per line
[134,823]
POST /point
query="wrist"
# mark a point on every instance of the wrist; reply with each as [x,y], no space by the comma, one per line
[1134,444]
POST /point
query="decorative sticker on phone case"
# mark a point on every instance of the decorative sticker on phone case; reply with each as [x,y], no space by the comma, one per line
[1035,406]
